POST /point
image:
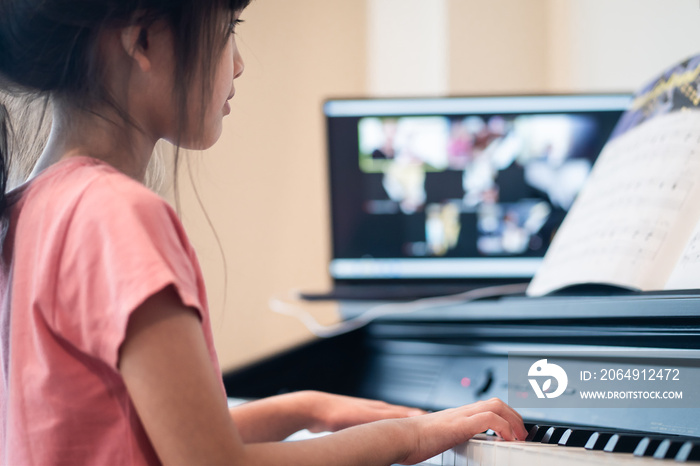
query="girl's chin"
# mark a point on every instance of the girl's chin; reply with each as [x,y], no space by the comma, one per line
[203,144]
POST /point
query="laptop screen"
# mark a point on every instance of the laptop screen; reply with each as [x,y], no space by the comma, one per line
[455,188]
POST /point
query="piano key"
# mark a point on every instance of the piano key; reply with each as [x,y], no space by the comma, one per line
[484,451]
[689,451]
[647,446]
[553,435]
[536,433]
[597,440]
[489,450]
[668,449]
[623,443]
[575,437]
[448,458]
[438,460]
[434,461]
[488,454]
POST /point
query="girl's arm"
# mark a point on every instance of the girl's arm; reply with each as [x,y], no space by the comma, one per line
[276,418]
[177,394]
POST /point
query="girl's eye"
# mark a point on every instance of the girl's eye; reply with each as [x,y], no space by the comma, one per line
[232,26]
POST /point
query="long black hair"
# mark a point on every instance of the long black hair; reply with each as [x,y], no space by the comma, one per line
[49,49]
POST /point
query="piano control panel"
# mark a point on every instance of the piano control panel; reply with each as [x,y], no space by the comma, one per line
[436,376]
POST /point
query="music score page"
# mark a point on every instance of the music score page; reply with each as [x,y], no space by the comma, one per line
[636,221]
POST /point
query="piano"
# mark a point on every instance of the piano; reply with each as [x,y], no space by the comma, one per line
[456,354]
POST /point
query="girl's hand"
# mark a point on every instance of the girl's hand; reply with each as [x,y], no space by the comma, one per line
[436,432]
[176,390]
[330,413]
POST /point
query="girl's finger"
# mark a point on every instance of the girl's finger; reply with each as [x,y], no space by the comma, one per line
[489,420]
[503,410]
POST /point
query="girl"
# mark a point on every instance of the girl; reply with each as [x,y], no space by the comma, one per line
[106,347]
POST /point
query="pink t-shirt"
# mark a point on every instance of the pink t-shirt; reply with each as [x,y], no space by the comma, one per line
[86,246]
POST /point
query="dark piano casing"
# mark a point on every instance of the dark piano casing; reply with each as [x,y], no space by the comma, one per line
[420,358]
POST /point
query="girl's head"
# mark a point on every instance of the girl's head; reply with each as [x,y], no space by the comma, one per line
[85,55]
[56,47]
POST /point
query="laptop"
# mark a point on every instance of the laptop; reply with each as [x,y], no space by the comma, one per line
[436,196]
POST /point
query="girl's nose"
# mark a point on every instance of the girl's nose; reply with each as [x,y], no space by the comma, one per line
[238,65]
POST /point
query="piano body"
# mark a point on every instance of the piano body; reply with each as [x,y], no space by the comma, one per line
[458,354]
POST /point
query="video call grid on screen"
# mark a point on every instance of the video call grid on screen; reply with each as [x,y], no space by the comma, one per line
[454,188]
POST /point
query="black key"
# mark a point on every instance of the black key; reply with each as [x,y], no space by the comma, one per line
[647,446]
[622,443]
[553,434]
[689,451]
[575,437]
[536,433]
[668,449]
[598,440]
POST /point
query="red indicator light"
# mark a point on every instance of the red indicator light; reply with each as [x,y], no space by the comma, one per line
[466,381]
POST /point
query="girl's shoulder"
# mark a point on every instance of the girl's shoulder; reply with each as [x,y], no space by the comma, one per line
[86,180]
[90,199]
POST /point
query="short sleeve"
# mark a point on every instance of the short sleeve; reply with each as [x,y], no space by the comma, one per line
[122,245]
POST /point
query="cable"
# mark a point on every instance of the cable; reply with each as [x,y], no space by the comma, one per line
[327,331]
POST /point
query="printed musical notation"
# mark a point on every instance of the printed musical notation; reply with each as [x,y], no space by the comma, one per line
[692,252]
[686,275]
[632,219]
[637,243]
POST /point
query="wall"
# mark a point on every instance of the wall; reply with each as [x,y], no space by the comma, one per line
[566,45]
[263,185]
[498,46]
[407,47]
[618,44]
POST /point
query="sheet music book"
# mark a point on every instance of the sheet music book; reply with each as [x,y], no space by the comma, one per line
[636,222]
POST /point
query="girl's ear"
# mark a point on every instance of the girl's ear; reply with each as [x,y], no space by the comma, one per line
[135,42]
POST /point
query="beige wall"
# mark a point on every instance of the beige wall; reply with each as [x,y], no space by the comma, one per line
[567,45]
[407,47]
[263,184]
[618,44]
[498,46]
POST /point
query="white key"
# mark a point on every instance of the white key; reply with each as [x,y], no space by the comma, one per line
[434,461]
[448,458]
[491,451]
